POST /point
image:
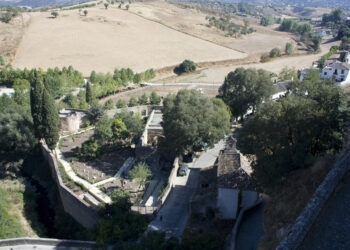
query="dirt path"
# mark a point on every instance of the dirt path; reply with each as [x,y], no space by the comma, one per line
[217,74]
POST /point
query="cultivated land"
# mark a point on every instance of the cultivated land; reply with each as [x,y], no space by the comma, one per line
[108,39]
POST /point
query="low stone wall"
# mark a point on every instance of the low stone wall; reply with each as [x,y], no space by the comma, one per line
[142,209]
[79,209]
[143,110]
[48,242]
[310,213]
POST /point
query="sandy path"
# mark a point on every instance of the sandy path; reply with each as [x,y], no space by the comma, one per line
[107,39]
[217,75]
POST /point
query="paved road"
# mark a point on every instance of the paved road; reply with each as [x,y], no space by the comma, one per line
[251,229]
[172,217]
[332,228]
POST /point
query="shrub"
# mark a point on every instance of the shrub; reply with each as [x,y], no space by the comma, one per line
[132,102]
[289,48]
[121,104]
[140,171]
[143,100]
[109,104]
[54,14]
[154,99]
[185,67]
[89,149]
[275,52]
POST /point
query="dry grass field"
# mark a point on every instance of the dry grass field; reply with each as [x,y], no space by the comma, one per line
[108,39]
[192,21]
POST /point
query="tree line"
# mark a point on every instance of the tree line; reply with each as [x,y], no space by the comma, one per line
[304,30]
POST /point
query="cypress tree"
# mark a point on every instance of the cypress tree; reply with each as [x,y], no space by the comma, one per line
[50,120]
[88,93]
[36,93]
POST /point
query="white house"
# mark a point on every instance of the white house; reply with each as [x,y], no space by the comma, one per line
[6,91]
[337,70]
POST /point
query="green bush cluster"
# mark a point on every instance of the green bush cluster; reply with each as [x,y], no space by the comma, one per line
[55,80]
[9,13]
[325,57]
[269,20]
[225,24]
[107,84]
[309,38]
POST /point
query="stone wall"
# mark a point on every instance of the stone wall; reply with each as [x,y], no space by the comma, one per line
[33,243]
[79,209]
[310,213]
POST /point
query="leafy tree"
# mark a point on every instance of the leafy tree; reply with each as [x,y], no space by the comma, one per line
[244,89]
[186,66]
[154,99]
[71,100]
[132,102]
[190,119]
[50,120]
[143,100]
[88,93]
[89,149]
[54,14]
[288,74]
[121,104]
[275,53]
[106,5]
[16,134]
[127,7]
[316,43]
[137,78]
[93,77]
[267,20]
[140,171]
[119,129]
[85,12]
[289,48]
[292,132]
[21,85]
[344,30]
[133,123]
[96,112]
[36,103]
[103,130]
[335,17]
[109,104]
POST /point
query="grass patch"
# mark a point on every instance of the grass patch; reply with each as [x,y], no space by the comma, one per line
[18,216]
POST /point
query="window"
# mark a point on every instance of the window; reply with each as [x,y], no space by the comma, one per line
[342,72]
[325,73]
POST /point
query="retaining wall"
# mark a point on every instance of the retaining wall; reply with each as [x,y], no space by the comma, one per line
[79,209]
[310,213]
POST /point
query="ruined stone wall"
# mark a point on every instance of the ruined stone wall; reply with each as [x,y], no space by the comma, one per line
[80,210]
[310,213]
[33,243]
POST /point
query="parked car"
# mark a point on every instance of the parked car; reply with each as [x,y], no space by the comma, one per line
[182,170]
[187,158]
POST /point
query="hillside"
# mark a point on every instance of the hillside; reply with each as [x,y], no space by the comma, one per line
[38,3]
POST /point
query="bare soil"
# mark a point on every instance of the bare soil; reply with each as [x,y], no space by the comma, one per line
[95,170]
